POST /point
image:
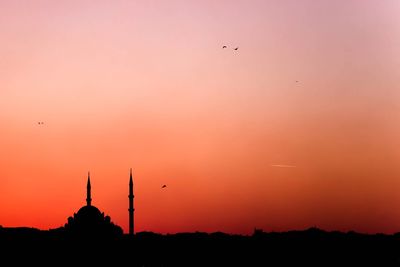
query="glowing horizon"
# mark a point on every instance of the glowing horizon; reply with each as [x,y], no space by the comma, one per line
[297,128]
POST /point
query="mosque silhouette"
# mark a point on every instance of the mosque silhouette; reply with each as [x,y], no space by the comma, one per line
[90,221]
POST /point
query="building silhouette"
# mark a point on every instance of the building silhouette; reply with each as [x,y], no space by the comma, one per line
[90,221]
[131,209]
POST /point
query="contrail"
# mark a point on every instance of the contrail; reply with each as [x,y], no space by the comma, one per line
[283,166]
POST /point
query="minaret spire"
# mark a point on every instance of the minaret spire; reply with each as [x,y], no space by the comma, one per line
[131,209]
[88,193]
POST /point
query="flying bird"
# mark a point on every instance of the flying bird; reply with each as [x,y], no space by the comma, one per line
[224,46]
[236,48]
[164,186]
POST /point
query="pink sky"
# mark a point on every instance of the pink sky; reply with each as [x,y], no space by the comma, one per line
[147,85]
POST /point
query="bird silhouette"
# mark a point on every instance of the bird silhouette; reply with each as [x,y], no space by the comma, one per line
[236,48]
[164,186]
[224,46]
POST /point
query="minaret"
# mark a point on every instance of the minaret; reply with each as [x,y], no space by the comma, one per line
[131,209]
[88,195]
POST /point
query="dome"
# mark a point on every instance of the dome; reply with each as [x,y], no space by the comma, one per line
[89,211]
[89,215]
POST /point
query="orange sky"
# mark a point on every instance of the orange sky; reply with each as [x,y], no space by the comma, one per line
[240,143]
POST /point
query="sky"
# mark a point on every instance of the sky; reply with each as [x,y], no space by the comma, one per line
[298,127]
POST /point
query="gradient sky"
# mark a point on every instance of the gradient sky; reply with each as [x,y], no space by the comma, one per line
[239,143]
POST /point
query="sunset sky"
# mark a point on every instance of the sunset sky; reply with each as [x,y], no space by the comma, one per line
[299,127]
